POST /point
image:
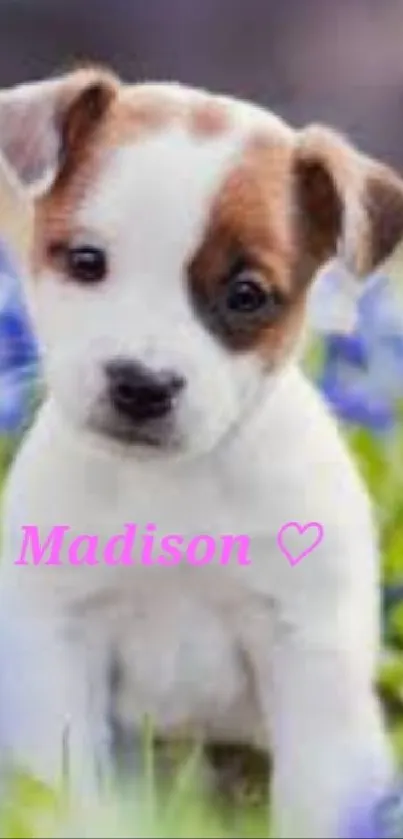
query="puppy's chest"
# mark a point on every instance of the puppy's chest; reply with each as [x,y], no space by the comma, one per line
[174,653]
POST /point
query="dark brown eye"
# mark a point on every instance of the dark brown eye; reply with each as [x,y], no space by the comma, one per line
[86,264]
[245,295]
[248,297]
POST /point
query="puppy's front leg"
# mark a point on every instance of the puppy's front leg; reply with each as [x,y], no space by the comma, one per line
[330,748]
[44,711]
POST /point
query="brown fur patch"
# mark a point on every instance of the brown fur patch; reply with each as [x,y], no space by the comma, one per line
[252,221]
[104,117]
[209,119]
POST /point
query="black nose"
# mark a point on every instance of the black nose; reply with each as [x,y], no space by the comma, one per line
[140,394]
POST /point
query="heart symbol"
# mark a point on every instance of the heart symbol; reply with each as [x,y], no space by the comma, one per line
[293,560]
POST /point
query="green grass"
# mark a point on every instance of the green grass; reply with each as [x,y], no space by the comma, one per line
[184,807]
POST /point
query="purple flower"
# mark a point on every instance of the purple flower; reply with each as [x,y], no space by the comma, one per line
[362,375]
[380,818]
[18,349]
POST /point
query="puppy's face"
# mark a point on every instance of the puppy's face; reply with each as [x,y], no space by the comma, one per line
[175,237]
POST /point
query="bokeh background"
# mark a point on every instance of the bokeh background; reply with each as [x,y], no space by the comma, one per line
[318,59]
[309,60]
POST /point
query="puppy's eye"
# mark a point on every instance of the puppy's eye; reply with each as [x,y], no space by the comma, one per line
[248,296]
[245,294]
[86,264]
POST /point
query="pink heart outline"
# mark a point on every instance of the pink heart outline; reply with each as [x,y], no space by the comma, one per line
[301,530]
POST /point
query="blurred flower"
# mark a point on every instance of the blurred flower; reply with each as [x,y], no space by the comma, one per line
[378,819]
[362,375]
[18,351]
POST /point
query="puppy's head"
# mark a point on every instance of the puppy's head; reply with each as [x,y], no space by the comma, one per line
[176,234]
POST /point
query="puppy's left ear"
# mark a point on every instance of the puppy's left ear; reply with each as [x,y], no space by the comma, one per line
[347,204]
[44,125]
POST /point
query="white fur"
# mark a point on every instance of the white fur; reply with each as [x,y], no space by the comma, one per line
[277,656]
[144,311]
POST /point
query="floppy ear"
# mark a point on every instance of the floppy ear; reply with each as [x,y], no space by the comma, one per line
[42,123]
[348,204]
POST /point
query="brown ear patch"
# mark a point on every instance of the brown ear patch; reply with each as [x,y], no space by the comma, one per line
[82,107]
[319,214]
[345,198]
[384,206]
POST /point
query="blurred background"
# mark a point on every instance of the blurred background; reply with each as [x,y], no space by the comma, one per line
[309,60]
[341,62]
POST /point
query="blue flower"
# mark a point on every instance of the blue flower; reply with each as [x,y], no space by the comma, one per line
[378,818]
[16,391]
[18,349]
[362,375]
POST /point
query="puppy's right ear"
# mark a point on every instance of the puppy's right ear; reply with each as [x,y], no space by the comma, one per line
[42,123]
[349,204]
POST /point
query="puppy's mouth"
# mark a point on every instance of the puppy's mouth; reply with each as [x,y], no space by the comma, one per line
[155,434]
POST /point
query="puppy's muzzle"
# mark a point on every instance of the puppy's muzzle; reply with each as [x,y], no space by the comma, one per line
[139,395]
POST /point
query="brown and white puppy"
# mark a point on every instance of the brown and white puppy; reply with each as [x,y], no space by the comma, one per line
[175,237]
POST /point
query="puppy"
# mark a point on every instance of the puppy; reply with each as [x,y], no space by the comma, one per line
[175,237]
